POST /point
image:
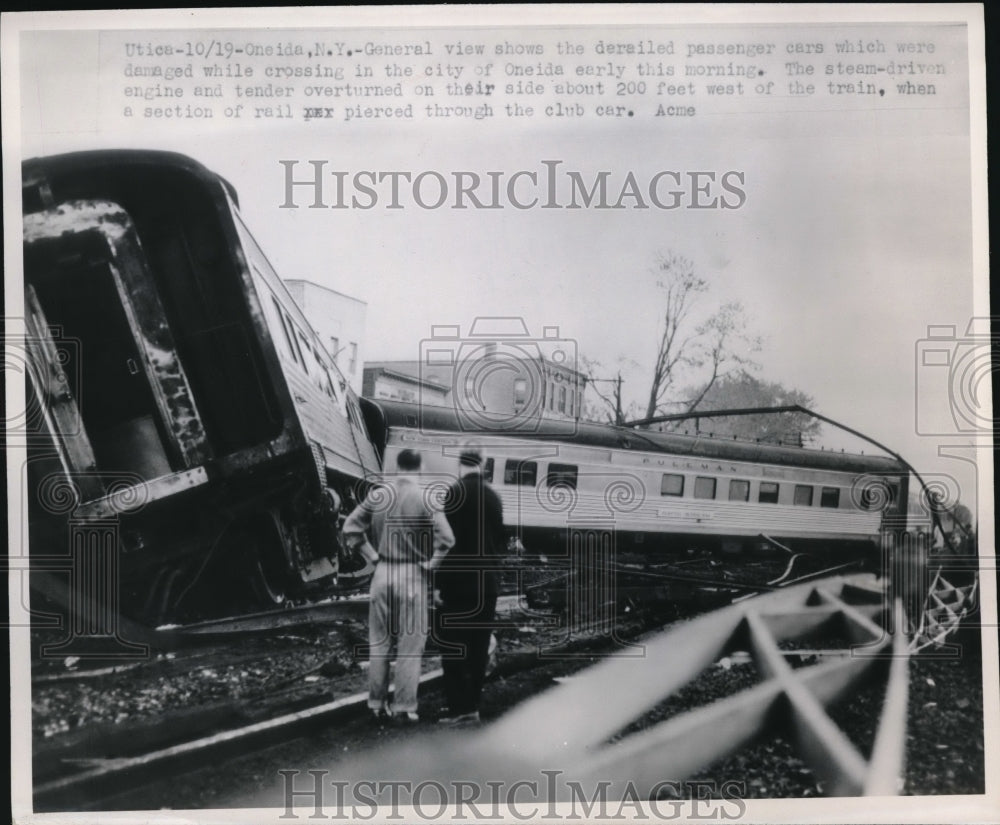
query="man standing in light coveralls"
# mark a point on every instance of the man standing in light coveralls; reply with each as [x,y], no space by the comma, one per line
[411,538]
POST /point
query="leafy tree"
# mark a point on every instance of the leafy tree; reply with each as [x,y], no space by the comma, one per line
[743,391]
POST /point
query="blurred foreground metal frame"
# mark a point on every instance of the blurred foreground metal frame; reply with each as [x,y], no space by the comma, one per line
[602,701]
[584,725]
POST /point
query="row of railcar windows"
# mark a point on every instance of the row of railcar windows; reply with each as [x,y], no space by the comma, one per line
[525,474]
[325,383]
[672,484]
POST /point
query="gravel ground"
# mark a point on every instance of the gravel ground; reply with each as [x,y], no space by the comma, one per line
[944,747]
[766,769]
[248,670]
[256,675]
[945,750]
[70,696]
[945,728]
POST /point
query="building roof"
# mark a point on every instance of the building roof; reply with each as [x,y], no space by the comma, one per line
[417,368]
[305,282]
[446,419]
[403,376]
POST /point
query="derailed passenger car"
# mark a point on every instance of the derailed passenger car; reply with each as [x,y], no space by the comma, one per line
[624,508]
[180,394]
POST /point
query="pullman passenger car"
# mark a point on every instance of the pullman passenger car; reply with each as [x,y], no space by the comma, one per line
[661,494]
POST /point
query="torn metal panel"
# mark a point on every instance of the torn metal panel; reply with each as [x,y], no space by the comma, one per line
[143,308]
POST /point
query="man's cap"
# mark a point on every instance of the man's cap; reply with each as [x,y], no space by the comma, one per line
[470,458]
[408,460]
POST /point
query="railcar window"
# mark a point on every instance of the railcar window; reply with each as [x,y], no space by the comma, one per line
[319,367]
[768,493]
[354,414]
[672,484]
[305,347]
[291,334]
[803,495]
[704,487]
[281,318]
[564,474]
[488,469]
[829,497]
[880,495]
[522,473]
[328,386]
[739,490]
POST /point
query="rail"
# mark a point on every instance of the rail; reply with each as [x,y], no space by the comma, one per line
[596,726]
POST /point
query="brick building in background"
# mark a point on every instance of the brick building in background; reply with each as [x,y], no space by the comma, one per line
[497,386]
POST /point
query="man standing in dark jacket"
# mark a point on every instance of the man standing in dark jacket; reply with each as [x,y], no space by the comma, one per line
[468,586]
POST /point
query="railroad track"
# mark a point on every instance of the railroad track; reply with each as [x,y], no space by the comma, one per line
[85,779]
[86,782]
[773,631]
[264,622]
[290,617]
[88,768]
[616,725]
[172,639]
[552,592]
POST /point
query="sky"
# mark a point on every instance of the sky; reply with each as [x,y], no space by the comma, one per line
[856,235]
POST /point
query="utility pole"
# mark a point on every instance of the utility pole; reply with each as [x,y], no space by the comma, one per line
[619,418]
[619,414]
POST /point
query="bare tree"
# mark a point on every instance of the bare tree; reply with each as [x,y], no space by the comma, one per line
[721,343]
[727,347]
[681,287]
[607,386]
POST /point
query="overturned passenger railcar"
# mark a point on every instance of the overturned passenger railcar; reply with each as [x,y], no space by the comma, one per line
[179,394]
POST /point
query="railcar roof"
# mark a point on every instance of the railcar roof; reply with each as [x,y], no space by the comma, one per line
[98,163]
[445,419]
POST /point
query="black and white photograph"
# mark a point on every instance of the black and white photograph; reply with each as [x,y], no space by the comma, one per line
[500,413]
